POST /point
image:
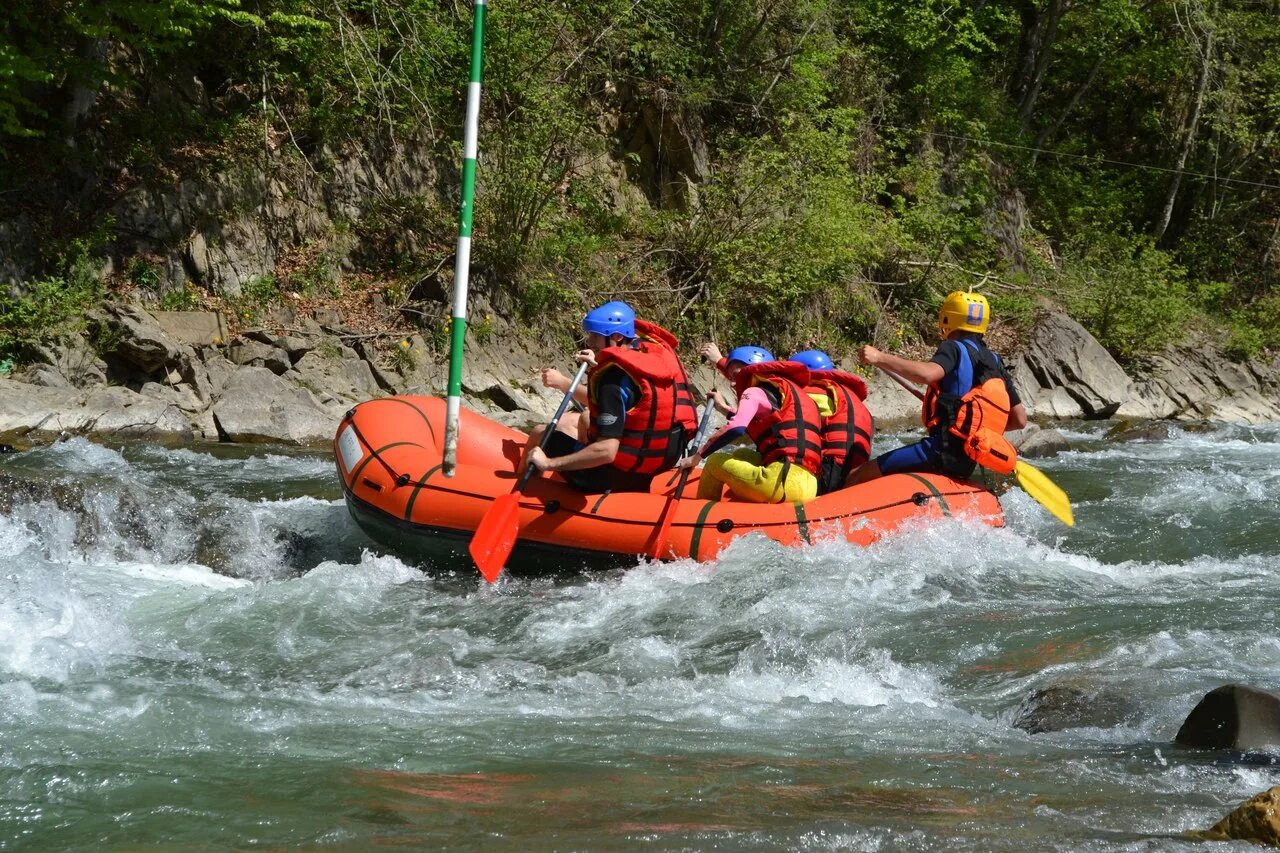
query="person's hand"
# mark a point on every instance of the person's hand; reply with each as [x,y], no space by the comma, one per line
[690,461]
[538,459]
[717,399]
[584,355]
[553,378]
[710,352]
[869,355]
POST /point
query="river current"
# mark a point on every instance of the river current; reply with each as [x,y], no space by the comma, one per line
[199,648]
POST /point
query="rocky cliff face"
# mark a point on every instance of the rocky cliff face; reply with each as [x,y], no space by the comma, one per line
[169,376]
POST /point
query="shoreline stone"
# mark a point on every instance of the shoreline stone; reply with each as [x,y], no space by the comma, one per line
[157,386]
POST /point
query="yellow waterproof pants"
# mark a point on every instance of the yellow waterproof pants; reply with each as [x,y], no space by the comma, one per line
[748,480]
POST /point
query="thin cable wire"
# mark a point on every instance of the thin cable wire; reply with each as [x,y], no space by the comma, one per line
[1094,158]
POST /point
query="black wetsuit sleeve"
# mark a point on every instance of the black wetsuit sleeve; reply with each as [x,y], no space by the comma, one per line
[614,394]
[947,356]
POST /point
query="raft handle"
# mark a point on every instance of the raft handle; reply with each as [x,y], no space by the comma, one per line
[377,487]
[551,507]
[919,499]
[724,525]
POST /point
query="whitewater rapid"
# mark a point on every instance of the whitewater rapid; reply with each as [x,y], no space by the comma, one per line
[198,646]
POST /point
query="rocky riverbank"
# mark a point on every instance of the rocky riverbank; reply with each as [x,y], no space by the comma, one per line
[179,376]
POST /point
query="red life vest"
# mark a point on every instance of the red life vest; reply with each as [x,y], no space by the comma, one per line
[977,415]
[647,433]
[686,410]
[847,431]
[792,432]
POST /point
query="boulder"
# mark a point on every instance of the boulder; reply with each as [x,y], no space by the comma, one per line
[1065,370]
[126,414]
[343,377]
[1256,820]
[1065,706]
[194,328]
[181,396]
[1200,383]
[134,336]
[45,375]
[1233,717]
[219,369]
[891,405]
[1128,430]
[258,406]
[1032,442]
[503,379]
[109,411]
[259,354]
[74,359]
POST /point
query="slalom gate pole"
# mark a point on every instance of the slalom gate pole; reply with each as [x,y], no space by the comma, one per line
[462,261]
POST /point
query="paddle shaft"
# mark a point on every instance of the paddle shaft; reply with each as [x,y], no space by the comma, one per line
[551,426]
[660,541]
[915,392]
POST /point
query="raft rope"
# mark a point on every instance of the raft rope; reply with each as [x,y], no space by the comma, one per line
[399,479]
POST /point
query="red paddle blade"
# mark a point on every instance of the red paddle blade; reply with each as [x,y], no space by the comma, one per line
[496,536]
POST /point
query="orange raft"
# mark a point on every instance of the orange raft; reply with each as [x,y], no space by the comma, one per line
[389,460]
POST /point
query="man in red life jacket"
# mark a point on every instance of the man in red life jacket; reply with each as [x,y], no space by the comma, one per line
[780,418]
[846,423]
[641,412]
[969,404]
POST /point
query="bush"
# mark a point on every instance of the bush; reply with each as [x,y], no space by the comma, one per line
[1255,328]
[1131,295]
[41,310]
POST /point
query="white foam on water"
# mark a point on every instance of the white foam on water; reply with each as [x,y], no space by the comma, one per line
[923,643]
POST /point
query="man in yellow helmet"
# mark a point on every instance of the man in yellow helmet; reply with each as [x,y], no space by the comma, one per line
[969,404]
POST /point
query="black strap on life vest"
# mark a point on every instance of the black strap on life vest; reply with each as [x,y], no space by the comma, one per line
[850,429]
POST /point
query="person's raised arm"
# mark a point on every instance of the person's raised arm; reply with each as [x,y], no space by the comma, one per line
[919,372]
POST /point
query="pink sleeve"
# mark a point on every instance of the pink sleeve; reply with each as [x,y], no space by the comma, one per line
[752,402]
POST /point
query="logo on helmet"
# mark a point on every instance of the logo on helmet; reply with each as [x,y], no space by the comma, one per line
[975,313]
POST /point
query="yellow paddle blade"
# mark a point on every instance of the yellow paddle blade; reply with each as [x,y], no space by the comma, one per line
[1045,491]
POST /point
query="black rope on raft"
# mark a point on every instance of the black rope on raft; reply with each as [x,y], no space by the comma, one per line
[399,479]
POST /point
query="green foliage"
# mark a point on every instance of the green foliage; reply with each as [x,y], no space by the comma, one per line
[1131,295]
[255,296]
[185,298]
[46,308]
[1255,328]
[45,43]
[820,171]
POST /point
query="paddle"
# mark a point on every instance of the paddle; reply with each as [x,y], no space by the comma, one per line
[669,514]
[1032,480]
[496,534]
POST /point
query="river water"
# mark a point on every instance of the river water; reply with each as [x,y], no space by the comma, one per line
[201,649]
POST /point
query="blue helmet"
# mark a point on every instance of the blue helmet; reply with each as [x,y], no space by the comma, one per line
[814,359]
[611,318]
[750,355]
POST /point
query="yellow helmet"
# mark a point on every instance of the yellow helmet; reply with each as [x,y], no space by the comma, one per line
[964,312]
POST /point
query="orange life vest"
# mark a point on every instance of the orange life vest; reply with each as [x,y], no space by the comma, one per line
[847,431]
[792,432]
[686,410]
[976,414]
[649,428]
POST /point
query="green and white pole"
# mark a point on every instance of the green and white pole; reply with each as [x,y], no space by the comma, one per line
[462,262]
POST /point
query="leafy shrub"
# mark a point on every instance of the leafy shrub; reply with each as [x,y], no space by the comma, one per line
[46,308]
[1131,295]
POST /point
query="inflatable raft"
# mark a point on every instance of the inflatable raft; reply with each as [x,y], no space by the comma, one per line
[388,454]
